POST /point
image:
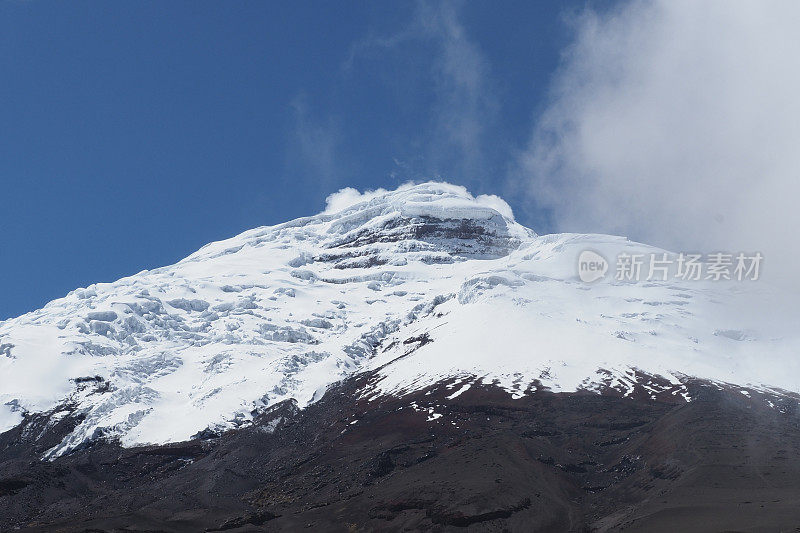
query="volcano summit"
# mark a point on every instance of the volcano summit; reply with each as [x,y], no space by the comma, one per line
[340,360]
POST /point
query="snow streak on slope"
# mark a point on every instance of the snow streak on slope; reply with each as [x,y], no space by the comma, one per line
[423,283]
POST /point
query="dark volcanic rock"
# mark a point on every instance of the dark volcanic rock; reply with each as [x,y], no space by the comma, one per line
[545,462]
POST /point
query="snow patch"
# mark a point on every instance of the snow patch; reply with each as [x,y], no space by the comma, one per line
[10,417]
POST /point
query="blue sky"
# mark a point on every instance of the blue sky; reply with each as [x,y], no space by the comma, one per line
[134,133]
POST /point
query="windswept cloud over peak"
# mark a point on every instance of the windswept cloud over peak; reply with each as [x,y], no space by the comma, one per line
[349,196]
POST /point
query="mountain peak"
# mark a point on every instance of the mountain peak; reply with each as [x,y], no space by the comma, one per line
[431,221]
[409,287]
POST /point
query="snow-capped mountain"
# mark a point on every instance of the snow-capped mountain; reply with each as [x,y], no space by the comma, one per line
[418,285]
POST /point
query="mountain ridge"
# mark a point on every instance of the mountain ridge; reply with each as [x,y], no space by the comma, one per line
[419,285]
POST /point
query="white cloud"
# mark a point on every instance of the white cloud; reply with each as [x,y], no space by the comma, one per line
[344,198]
[496,203]
[314,146]
[677,122]
[466,105]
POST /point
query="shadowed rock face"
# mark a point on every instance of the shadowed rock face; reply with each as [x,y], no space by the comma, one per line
[425,239]
[481,461]
[484,238]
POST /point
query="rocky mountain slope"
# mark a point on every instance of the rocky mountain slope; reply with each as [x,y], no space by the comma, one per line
[543,462]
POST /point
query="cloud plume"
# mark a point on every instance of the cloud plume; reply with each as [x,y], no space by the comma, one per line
[677,123]
[463,109]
